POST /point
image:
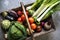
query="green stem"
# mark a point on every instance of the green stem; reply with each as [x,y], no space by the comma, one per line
[40,8]
[40,18]
[43,7]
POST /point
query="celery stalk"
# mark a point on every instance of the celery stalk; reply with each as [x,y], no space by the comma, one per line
[35,5]
[49,4]
[46,5]
[54,9]
[41,7]
[48,14]
[40,18]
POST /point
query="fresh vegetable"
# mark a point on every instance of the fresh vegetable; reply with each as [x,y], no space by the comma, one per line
[33,26]
[35,6]
[43,7]
[21,27]
[39,29]
[31,20]
[14,33]
[19,19]
[5,36]
[47,26]
[19,13]
[6,24]
[29,32]
[10,18]
[42,23]
[17,32]
[48,14]
[31,12]
[46,7]
[10,15]
[35,20]
[38,12]
[13,13]
[56,8]
[40,18]
[23,17]
[4,14]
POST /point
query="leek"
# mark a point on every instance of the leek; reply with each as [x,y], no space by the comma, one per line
[40,18]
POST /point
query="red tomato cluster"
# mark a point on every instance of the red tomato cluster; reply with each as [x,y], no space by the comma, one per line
[21,16]
[22,19]
[19,13]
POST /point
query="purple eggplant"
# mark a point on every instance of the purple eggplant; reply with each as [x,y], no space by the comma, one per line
[13,13]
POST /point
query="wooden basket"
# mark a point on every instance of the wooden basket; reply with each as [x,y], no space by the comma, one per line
[35,34]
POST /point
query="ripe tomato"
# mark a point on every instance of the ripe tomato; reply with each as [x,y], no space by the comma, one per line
[33,26]
[19,19]
[19,13]
[39,28]
[31,20]
[23,17]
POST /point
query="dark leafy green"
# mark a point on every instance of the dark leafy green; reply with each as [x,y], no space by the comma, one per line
[17,32]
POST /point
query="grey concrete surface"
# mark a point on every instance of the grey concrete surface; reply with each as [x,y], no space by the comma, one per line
[10,4]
